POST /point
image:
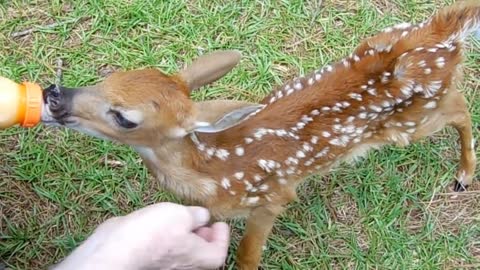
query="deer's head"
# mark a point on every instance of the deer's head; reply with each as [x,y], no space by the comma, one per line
[139,107]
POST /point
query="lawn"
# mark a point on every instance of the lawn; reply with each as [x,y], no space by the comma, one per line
[394,208]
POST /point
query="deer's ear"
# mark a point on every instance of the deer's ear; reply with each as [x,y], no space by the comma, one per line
[228,120]
[209,68]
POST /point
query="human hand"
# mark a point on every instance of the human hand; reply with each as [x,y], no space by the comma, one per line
[159,236]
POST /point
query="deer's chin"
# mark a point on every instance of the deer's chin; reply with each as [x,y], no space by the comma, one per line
[89,131]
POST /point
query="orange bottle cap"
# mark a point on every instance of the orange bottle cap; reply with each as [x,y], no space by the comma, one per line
[33,105]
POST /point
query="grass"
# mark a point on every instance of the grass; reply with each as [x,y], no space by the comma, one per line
[393,207]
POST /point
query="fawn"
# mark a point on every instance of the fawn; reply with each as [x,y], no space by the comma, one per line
[242,159]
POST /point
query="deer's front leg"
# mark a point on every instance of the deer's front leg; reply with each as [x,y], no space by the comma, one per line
[258,227]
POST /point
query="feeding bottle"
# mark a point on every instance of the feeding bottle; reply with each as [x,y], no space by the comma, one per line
[20,104]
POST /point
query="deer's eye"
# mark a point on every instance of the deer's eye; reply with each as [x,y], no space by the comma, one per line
[122,121]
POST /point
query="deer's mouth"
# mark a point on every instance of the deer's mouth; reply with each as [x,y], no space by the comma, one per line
[57,108]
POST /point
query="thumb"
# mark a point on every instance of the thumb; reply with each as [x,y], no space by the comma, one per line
[211,254]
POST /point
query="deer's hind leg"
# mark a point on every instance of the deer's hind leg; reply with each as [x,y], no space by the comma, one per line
[466,170]
[459,118]
[452,110]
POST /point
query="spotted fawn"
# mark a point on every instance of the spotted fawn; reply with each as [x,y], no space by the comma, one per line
[242,159]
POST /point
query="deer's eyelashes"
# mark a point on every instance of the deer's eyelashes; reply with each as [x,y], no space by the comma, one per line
[121,120]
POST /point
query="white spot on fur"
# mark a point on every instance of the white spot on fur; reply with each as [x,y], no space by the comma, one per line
[337,128]
[323,152]
[410,124]
[290,170]
[257,178]
[402,26]
[263,187]
[406,90]
[240,151]
[427,71]
[248,186]
[422,63]
[326,134]
[432,89]
[267,165]
[282,181]
[386,104]
[314,140]
[253,200]
[309,162]
[315,112]
[306,119]
[307,147]
[260,133]
[248,140]
[372,91]
[340,141]
[326,109]
[440,62]
[430,105]
[345,104]
[355,96]
[375,108]
[281,132]
[239,175]
[300,154]
[349,129]
[226,183]
[222,154]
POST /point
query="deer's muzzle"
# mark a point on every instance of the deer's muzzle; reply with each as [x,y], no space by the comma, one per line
[58,104]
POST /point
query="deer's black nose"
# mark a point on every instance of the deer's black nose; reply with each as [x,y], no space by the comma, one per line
[58,100]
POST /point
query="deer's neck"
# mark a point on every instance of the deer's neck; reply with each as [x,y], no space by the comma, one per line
[172,163]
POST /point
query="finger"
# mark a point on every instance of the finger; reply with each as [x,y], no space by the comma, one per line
[220,234]
[181,217]
[200,217]
[205,233]
[212,254]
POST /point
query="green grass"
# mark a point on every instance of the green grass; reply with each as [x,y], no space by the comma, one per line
[57,185]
